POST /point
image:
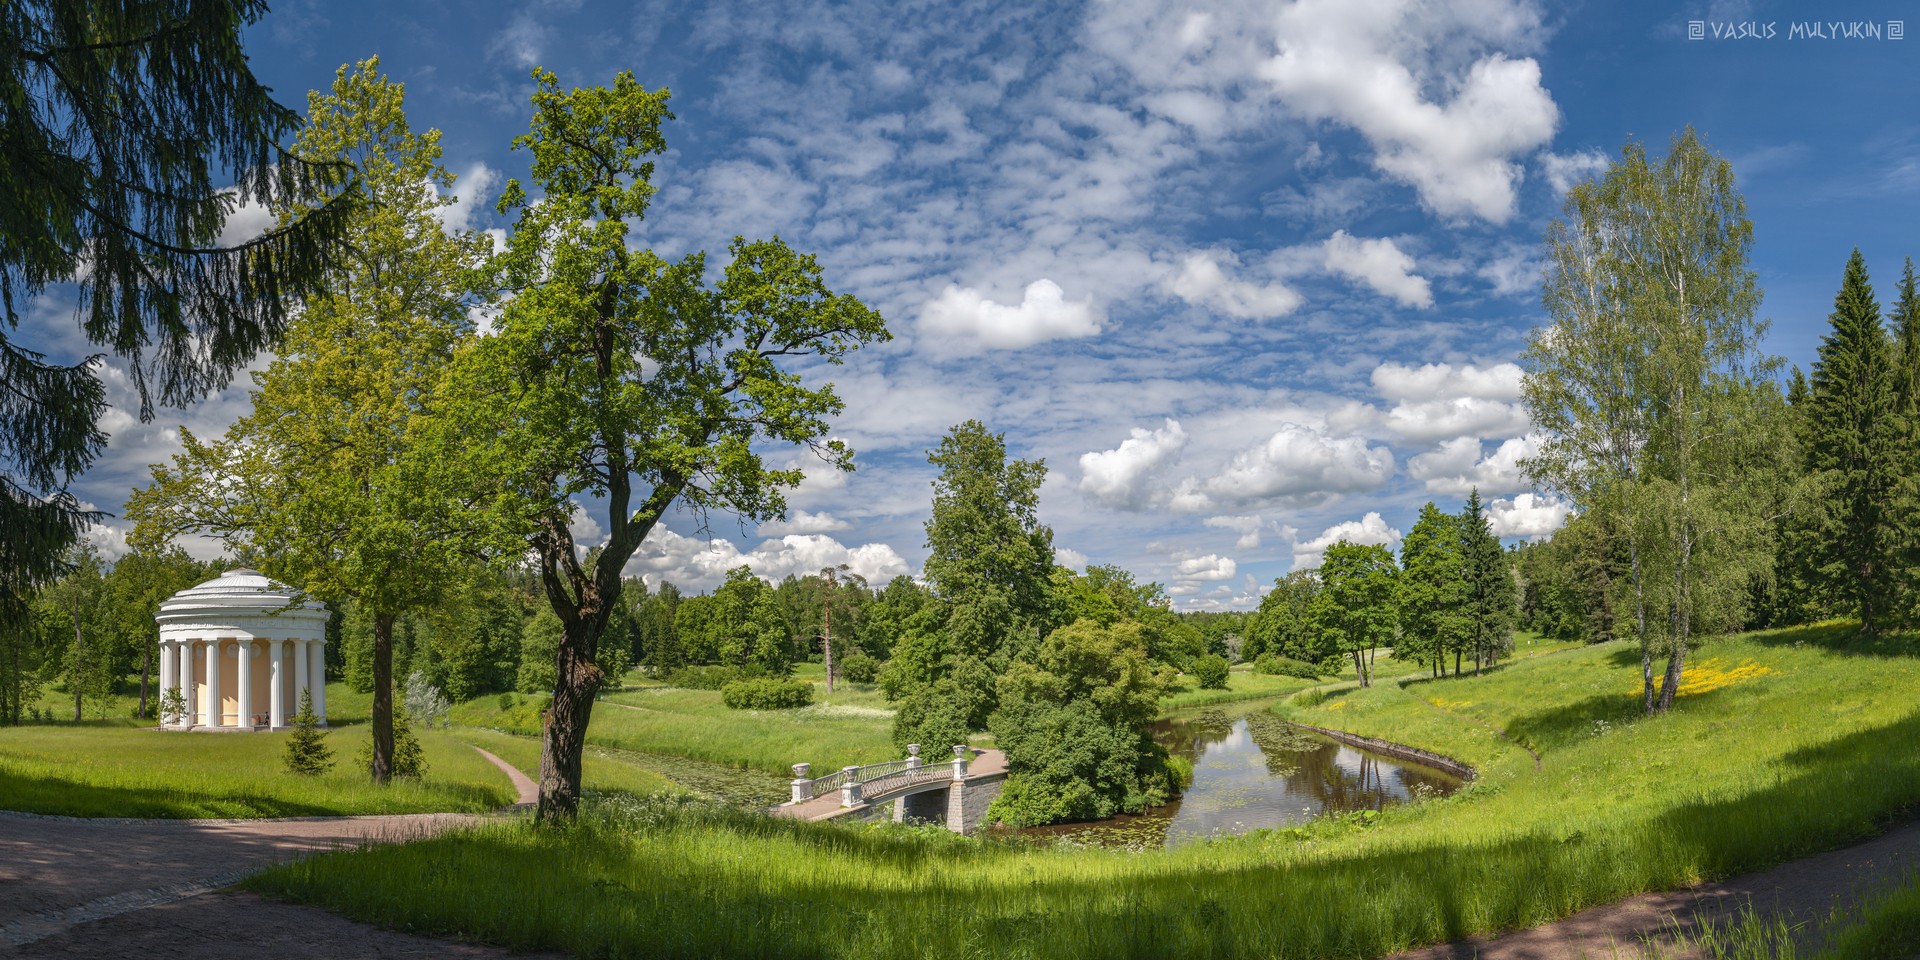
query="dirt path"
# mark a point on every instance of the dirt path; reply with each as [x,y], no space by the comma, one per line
[1804,890]
[72,887]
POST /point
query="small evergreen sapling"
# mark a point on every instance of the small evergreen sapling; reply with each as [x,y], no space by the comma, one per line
[173,706]
[409,760]
[307,750]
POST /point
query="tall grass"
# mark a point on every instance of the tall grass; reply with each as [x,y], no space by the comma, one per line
[1813,754]
[94,772]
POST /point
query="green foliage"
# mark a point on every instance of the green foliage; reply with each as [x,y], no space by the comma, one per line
[1282,626]
[1073,722]
[409,757]
[860,668]
[766,693]
[307,750]
[1853,467]
[711,677]
[1276,665]
[1488,595]
[539,643]
[984,536]
[935,715]
[1211,671]
[1354,609]
[1434,590]
[173,706]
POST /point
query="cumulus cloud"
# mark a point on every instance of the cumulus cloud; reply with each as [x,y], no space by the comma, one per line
[1379,264]
[1208,567]
[1069,557]
[1370,529]
[1121,477]
[1043,314]
[1527,515]
[1455,467]
[1563,170]
[1203,281]
[1439,400]
[1249,528]
[521,42]
[473,195]
[699,565]
[1355,63]
[803,521]
[1295,462]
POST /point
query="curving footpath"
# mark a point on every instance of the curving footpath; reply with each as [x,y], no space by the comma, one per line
[73,887]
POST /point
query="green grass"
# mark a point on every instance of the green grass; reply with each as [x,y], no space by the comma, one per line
[695,725]
[82,771]
[601,770]
[1241,685]
[1813,754]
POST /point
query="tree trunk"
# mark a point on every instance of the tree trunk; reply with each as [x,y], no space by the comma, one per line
[1682,611]
[1360,667]
[79,656]
[826,639]
[577,680]
[1456,661]
[146,672]
[382,769]
[1640,626]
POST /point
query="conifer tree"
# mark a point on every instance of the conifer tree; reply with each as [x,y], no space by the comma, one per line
[1905,514]
[1851,469]
[1491,596]
[307,750]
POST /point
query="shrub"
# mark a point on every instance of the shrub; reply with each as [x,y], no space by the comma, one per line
[173,706]
[860,668]
[1273,664]
[1211,671]
[508,701]
[307,750]
[765,693]
[409,760]
[424,701]
[1310,698]
[712,677]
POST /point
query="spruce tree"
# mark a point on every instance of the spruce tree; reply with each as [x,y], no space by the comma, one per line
[1851,466]
[1905,512]
[1491,596]
[307,750]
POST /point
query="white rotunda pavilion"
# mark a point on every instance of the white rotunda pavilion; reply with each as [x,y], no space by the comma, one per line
[242,651]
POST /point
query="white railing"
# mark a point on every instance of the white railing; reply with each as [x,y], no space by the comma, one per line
[852,781]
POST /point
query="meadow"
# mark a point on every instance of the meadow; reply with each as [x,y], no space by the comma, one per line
[1795,741]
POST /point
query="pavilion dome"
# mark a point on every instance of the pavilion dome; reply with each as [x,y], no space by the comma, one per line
[240,592]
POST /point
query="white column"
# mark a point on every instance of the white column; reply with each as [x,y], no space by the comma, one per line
[243,705]
[276,687]
[182,653]
[167,663]
[210,710]
[317,675]
[299,671]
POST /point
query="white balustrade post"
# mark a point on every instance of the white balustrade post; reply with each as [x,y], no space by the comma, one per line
[960,757]
[317,673]
[913,756]
[243,690]
[850,791]
[211,714]
[802,786]
[276,686]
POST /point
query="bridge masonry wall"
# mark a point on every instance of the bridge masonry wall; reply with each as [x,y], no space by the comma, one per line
[967,801]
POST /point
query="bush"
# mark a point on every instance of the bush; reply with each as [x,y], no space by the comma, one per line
[508,701]
[765,693]
[1273,664]
[860,668]
[409,760]
[424,701]
[1310,698]
[307,750]
[713,677]
[1211,671]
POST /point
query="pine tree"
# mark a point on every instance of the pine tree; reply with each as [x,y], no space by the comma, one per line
[307,750]
[1905,508]
[1851,469]
[1491,596]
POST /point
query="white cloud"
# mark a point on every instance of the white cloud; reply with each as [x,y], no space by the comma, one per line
[1203,282]
[803,522]
[1370,529]
[1563,170]
[586,529]
[699,565]
[1043,314]
[1120,477]
[1370,64]
[1515,271]
[1204,568]
[1295,462]
[1379,264]
[1455,467]
[1249,528]
[521,42]
[1527,515]
[1439,400]
[1069,557]
[473,195]
[245,222]
[109,538]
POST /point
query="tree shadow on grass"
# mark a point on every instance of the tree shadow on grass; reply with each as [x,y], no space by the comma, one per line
[1842,637]
[61,797]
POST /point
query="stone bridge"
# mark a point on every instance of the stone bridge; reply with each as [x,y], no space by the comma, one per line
[954,793]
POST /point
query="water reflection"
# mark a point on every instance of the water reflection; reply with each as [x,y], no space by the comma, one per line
[1252,770]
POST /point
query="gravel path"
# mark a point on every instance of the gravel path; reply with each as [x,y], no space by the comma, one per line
[72,887]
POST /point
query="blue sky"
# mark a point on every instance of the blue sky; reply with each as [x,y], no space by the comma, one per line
[1249,277]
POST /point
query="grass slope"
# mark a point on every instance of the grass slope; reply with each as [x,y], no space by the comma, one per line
[90,771]
[1806,747]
